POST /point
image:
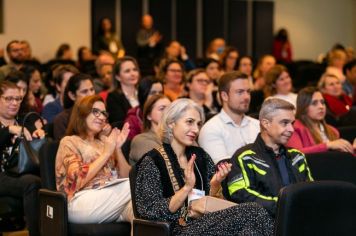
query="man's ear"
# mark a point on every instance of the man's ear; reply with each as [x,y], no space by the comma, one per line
[71,96]
[265,123]
[224,96]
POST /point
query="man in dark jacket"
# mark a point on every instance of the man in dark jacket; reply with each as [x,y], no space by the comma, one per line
[261,169]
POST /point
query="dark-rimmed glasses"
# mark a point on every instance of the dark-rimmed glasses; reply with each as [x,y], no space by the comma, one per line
[96,112]
[9,99]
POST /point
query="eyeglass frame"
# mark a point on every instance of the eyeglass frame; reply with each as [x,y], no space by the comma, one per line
[96,112]
[9,99]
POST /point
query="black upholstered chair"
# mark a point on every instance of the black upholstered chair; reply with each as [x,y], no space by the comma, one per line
[53,204]
[316,208]
[348,133]
[143,227]
[332,165]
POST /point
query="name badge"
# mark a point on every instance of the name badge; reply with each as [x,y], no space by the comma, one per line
[195,194]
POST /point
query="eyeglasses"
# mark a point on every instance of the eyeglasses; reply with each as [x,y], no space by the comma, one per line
[10,99]
[175,70]
[203,81]
[96,112]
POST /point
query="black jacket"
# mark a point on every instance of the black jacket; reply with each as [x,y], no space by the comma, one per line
[255,176]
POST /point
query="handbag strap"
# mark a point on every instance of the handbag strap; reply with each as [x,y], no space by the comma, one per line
[168,163]
[26,118]
[184,212]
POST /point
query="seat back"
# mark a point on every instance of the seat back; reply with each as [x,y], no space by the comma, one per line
[316,208]
[47,157]
[332,165]
[132,177]
[348,133]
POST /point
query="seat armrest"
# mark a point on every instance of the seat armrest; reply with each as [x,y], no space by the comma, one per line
[147,227]
[53,213]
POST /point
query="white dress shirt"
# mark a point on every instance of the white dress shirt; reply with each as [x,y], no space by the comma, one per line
[220,137]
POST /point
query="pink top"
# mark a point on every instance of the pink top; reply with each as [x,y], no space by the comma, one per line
[73,158]
[302,139]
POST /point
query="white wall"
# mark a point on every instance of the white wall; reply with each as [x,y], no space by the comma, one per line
[46,24]
[316,25]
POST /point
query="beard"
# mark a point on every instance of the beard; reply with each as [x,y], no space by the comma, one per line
[239,110]
[17,61]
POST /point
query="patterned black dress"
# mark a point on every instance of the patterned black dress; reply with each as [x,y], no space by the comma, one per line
[154,192]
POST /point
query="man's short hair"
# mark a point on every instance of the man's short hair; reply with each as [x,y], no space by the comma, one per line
[60,70]
[349,65]
[8,46]
[226,80]
[271,106]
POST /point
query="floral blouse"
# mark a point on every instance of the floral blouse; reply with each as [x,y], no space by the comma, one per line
[72,165]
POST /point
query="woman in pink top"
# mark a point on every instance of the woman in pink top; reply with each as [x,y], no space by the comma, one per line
[311,133]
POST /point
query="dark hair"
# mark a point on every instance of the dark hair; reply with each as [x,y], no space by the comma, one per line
[72,86]
[144,88]
[60,70]
[351,64]
[207,61]
[8,46]
[194,73]
[148,107]
[282,35]
[80,54]
[226,54]
[100,27]
[82,108]
[15,77]
[304,100]
[117,69]
[5,85]
[62,49]
[271,78]
[165,63]
[240,59]
[226,79]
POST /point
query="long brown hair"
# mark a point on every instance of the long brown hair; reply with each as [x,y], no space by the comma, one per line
[148,107]
[304,100]
[82,108]
[271,78]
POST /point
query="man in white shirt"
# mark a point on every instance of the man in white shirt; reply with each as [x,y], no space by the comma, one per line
[231,129]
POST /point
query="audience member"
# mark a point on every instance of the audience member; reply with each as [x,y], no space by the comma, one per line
[160,199]
[103,79]
[231,128]
[244,65]
[86,60]
[27,55]
[279,84]
[25,186]
[215,48]
[228,59]
[200,92]
[90,167]
[149,44]
[337,102]
[124,92]
[349,86]
[108,39]
[14,52]
[149,139]
[78,86]
[282,48]
[261,169]
[61,76]
[173,79]
[213,70]
[176,51]
[146,88]
[265,63]
[311,132]
[33,76]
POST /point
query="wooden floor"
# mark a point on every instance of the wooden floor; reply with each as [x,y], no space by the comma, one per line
[16,233]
